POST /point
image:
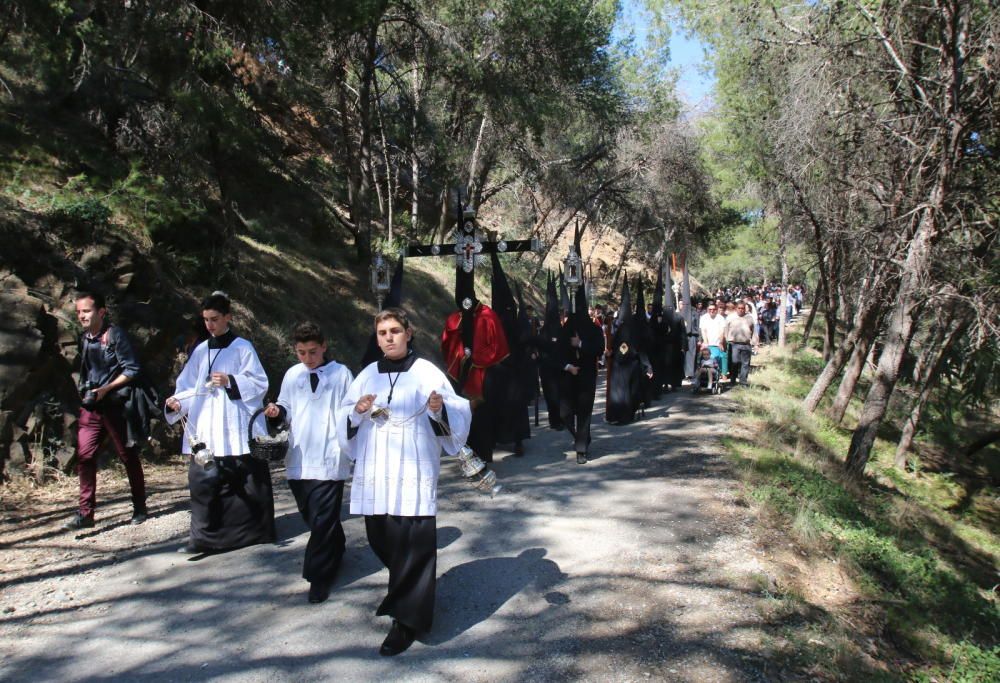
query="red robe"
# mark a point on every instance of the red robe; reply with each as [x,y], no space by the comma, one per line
[489,347]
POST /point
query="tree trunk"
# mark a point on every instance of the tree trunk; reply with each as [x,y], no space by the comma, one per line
[830,334]
[981,443]
[387,209]
[812,317]
[840,356]
[852,373]
[414,158]
[928,368]
[948,141]
[784,285]
[621,265]
[349,149]
[474,162]
[897,339]
[362,201]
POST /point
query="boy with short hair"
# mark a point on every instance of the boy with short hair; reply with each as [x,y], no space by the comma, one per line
[317,461]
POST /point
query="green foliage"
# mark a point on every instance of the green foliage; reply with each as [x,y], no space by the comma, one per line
[747,252]
[79,212]
[892,540]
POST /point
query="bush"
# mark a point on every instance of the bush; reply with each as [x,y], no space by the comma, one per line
[80,212]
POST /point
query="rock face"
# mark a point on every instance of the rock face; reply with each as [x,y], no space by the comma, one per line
[40,273]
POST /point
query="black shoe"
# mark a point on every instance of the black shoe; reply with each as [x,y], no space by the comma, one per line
[519,450]
[138,517]
[79,522]
[192,549]
[319,591]
[399,639]
[581,459]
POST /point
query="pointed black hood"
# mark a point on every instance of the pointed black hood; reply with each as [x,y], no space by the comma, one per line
[501,297]
[668,291]
[582,313]
[658,293]
[643,331]
[502,300]
[624,328]
[563,293]
[551,322]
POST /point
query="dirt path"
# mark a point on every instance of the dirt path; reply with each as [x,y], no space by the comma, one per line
[636,566]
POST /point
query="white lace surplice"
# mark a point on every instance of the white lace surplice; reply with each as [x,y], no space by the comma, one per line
[397,461]
[213,417]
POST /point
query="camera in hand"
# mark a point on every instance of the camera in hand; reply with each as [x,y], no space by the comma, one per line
[88,395]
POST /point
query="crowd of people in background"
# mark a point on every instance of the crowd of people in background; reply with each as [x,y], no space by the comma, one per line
[764,304]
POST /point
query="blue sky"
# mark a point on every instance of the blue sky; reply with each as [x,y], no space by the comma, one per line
[686,54]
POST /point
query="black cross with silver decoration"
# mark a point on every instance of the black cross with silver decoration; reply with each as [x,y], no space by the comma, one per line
[469,248]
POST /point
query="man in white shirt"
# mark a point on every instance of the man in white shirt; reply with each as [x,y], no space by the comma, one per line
[317,462]
[713,335]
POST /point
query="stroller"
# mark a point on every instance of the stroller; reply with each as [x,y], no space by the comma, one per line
[707,377]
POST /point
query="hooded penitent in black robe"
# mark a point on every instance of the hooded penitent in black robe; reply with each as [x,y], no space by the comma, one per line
[476,375]
[546,342]
[676,348]
[576,392]
[625,371]
[526,339]
[676,344]
[506,386]
[659,331]
[644,340]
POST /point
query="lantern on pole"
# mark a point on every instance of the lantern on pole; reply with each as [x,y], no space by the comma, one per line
[573,273]
[379,274]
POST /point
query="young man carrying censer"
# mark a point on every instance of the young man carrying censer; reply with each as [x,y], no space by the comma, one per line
[401,411]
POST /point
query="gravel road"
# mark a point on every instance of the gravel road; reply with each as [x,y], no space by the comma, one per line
[636,566]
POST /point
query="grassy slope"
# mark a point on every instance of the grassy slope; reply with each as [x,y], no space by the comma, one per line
[891,579]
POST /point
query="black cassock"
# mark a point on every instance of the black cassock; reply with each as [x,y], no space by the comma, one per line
[549,372]
[676,349]
[407,546]
[515,372]
[232,504]
[626,383]
[576,392]
[658,352]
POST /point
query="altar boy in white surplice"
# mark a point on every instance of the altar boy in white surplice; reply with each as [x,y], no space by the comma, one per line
[401,413]
[219,389]
[310,398]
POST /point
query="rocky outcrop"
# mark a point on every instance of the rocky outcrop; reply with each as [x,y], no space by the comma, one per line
[40,271]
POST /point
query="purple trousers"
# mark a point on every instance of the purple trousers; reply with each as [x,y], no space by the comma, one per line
[94,426]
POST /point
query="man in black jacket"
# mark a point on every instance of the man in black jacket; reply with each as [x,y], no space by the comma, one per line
[107,364]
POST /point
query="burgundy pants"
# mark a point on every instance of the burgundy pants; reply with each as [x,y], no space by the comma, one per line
[94,426]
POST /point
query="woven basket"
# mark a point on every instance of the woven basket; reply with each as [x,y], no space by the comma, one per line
[265,450]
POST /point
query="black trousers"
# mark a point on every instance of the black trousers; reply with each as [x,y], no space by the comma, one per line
[319,502]
[232,504]
[408,547]
[576,408]
[550,390]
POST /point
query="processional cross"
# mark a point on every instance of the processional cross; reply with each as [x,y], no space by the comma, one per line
[469,247]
